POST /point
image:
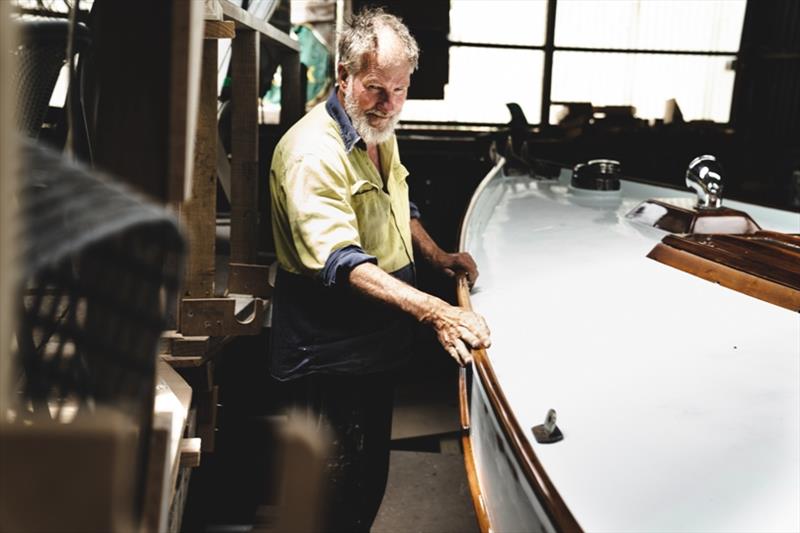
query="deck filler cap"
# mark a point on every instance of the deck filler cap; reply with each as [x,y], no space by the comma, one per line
[597,175]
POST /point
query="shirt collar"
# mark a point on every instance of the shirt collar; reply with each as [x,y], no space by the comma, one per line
[346,130]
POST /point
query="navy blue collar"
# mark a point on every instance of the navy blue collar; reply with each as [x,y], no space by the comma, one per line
[336,111]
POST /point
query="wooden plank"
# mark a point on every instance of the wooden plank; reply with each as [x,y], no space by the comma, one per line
[173,344]
[207,418]
[738,280]
[245,20]
[218,317]
[778,264]
[181,391]
[219,29]
[154,505]
[8,191]
[190,452]
[132,87]
[292,90]
[184,361]
[212,10]
[78,476]
[186,49]
[244,147]
[199,213]
[146,94]
[170,416]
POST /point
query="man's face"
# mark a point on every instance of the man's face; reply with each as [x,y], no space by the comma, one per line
[374,98]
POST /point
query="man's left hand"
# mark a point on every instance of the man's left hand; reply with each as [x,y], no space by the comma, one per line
[453,264]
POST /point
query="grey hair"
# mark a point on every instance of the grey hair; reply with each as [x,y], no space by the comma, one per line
[360,39]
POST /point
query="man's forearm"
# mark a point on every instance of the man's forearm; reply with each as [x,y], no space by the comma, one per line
[449,264]
[457,329]
[372,282]
[423,242]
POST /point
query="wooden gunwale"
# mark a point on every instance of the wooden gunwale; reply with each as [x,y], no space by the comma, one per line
[557,511]
[469,462]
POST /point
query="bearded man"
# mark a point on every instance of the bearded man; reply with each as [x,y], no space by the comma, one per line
[346,237]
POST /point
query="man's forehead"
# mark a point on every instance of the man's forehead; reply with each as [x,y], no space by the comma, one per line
[391,51]
[396,72]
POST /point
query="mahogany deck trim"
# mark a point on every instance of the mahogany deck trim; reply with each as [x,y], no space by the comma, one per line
[557,511]
[778,286]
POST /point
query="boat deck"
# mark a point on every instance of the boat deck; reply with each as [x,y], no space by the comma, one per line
[679,399]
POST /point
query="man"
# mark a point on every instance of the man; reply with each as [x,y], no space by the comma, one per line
[345,233]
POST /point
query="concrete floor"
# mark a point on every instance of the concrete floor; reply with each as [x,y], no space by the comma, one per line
[427,491]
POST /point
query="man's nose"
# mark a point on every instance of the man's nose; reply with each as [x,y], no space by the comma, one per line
[389,102]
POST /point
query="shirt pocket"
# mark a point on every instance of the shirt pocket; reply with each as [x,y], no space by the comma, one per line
[372,208]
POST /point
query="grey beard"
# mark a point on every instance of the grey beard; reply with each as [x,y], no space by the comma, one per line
[360,121]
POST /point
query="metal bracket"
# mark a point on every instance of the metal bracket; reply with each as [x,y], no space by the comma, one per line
[548,432]
[218,317]
[249,279]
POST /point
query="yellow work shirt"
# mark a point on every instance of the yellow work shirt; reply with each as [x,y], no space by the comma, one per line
[327,195]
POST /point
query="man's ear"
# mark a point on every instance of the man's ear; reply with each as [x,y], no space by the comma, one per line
[341,75]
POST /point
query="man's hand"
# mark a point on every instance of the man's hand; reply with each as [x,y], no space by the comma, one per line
[454,264]
[458,330]
[449,264]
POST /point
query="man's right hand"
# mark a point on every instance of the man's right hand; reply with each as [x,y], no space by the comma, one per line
[458,331]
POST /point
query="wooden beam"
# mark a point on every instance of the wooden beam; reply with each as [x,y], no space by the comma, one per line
[199,213]
[146,91]
[244,147]
[184,82]
[8,192]
[190,452]
[219,29]
[132,87]
[293,98]
[185,361]
[245,20]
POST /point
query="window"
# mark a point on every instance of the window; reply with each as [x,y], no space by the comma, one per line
[638,53]
[484,78]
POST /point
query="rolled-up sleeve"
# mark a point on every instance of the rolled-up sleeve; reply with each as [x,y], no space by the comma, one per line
[414,209]
[319,212]
[341,262]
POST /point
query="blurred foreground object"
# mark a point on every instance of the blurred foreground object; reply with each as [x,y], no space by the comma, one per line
[99,268]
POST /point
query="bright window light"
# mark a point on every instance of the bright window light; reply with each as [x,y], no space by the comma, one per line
[702,25]
[483,80]
[498,21]
[480,94]
[702,85]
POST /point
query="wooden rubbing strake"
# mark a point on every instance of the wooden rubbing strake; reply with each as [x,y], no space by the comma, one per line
[765,264]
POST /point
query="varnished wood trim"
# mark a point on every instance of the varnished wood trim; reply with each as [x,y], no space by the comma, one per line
[557,511]
[219,29]
[464,396]
[469,460]
[740,281]
[736,252]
